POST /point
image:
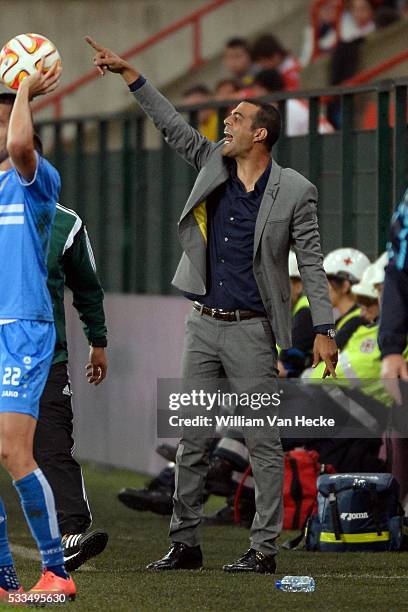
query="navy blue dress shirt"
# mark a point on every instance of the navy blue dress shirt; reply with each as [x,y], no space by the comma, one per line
[231,218]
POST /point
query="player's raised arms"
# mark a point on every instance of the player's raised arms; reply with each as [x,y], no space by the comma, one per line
[20,140]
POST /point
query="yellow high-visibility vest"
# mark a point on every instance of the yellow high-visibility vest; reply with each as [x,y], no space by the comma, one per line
[302,302]
[359,365]
[318,371]
[351,315]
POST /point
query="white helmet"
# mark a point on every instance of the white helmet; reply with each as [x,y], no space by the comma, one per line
[293,267]
[366,286]
[379,265]
[347,263]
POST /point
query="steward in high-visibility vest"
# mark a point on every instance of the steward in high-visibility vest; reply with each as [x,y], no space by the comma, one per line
[344,268]
[359,365]
[347,325]
[358,376]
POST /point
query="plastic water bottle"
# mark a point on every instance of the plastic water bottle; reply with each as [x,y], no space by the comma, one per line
[296,584]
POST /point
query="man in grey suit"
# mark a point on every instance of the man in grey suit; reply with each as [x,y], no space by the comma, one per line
[238,224]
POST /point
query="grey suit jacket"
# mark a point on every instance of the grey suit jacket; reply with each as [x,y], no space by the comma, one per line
[287,217]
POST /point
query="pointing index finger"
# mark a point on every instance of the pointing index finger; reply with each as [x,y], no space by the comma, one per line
[93,44]
[330,370]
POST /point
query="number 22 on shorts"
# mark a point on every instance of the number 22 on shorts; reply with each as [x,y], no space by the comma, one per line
[11,376]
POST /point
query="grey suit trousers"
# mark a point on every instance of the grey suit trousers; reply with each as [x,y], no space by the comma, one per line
[238,350]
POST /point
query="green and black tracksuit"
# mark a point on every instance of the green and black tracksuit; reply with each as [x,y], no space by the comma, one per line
[70,264]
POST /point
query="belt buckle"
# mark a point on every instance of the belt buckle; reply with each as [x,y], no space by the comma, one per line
[213,312]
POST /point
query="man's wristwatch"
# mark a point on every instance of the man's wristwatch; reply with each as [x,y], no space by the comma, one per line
[331,333]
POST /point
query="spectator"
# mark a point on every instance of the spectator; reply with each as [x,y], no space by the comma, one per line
[297,111]
[207,117]
[358,21]
[238,61]
[226,89]
[344,62]
[362,18]
[269,54]
[327,16]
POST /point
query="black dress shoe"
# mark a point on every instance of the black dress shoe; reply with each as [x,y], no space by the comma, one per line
[180,556]
[253,561]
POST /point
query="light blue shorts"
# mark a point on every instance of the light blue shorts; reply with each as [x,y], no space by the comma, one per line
[26,352]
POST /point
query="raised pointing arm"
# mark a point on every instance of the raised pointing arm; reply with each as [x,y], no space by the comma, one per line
[181,136]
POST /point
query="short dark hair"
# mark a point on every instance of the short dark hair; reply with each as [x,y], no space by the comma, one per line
[366,301]
[9,99]
[235,42]
[233,82]
[197,89]
[339,279]
[270,79]
[267,117]
[267,45]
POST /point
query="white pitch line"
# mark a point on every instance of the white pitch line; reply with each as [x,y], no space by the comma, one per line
[370,576]
[30,553]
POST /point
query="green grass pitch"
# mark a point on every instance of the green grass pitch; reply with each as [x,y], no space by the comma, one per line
[117,579]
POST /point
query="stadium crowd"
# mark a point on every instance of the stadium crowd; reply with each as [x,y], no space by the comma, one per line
[265,66]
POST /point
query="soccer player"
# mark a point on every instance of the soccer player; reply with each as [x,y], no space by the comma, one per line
[29,188]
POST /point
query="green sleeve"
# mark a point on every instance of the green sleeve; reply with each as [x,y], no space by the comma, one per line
[81,277]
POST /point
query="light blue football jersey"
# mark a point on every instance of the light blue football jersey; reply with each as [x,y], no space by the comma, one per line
[26,215]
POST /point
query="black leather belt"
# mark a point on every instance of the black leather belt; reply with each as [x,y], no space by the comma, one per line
[226,315]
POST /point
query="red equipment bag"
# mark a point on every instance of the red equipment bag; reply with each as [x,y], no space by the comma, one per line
[302,467]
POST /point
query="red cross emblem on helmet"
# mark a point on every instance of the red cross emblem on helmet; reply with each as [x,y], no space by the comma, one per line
[348,261]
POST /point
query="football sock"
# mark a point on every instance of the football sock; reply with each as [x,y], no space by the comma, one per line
[8,576]
[37,501]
